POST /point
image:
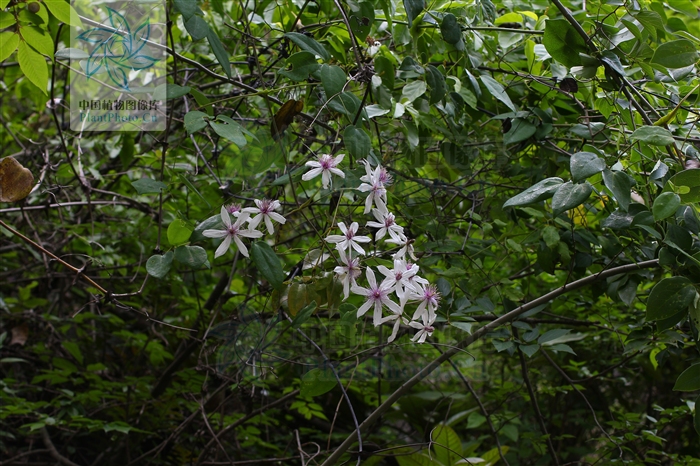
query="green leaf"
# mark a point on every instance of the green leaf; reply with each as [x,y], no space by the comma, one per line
[451,32]
[550,235]
[665,205]
[179,232]
[333,79]
[563,42]
[552,335]
[39,39]
[689,380]
[436,81]
[346,103]
[197,27]
[585,164]
[675,54]
[297,298]
[538,192]
[33,65]
[187,8]
[194,121]
[317,382]
[620,185]
[308,44]
[158,266]
[8,44]
[413,9]
[696,415]
[669,297]
[654,135]
[684,6]
[228,129]
[520,130]
[613,61]
[148,186]
[7,19]
[170,91]
[384,68]
[304,314]
[70,54]
[497,90]
[302,65]
[219,51]
[570,195]
[267,263]
[413,90]
[446,443]
[529,350]
[192,256]
[357,142]
[651,21]
[686,184]
[63,11]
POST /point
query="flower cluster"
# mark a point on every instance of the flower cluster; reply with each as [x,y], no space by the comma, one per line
[244,226]
[402,284]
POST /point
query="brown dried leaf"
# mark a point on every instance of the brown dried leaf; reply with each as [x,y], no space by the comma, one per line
[15,181]
[20,334]
[285,115]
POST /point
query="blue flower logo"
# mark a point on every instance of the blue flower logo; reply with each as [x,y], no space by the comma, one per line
[117,49]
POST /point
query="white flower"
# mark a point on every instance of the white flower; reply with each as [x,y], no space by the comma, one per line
[348,272]
[428,298]
[325,166]
[233,209]
[377,296]
[386,222]
[265,210]
[348,239]
[399,278]
[424,331]
[374,183]
[406,247]
[232,231]
[397,318]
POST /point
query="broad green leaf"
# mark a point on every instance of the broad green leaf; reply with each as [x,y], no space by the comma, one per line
[357,142]
[7,19]
[550,235]
[497,90]
[228,129]
[686,184]
[689,380]
[63,11]
[384,68]
[538,192]
[620,185]
[33,65]
[413,9]
[654,135]
[148,186]
[520,130]
[412,458]
[197,27]
[267,263]
[8,44]
[613,61]
[333,79]
[158,266]
[665,205]
[451,32]
[413,90]
[169,91]
[446,444]
[346,103]
[179,232]
[585,164]
[552,335]
[187,8]
[651,21]
[194,121]
[309,44]
[563,42]
[676,54]
[436,81]
[304,314]
[302,64]
[529,350]
[317,382]
[192,256]
[684,6]
[219,51]
[39,39]
[669,297]
[570,195]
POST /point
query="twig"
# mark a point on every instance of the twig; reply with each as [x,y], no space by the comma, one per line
[52,449]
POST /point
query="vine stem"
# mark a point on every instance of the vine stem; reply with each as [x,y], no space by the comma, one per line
[477,335]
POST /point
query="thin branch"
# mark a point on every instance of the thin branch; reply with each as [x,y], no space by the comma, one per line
[52,449]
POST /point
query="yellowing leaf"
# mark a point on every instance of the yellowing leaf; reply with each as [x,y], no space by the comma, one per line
[15,181]
[33,65]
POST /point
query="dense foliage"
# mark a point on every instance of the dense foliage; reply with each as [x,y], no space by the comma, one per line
[540,161]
